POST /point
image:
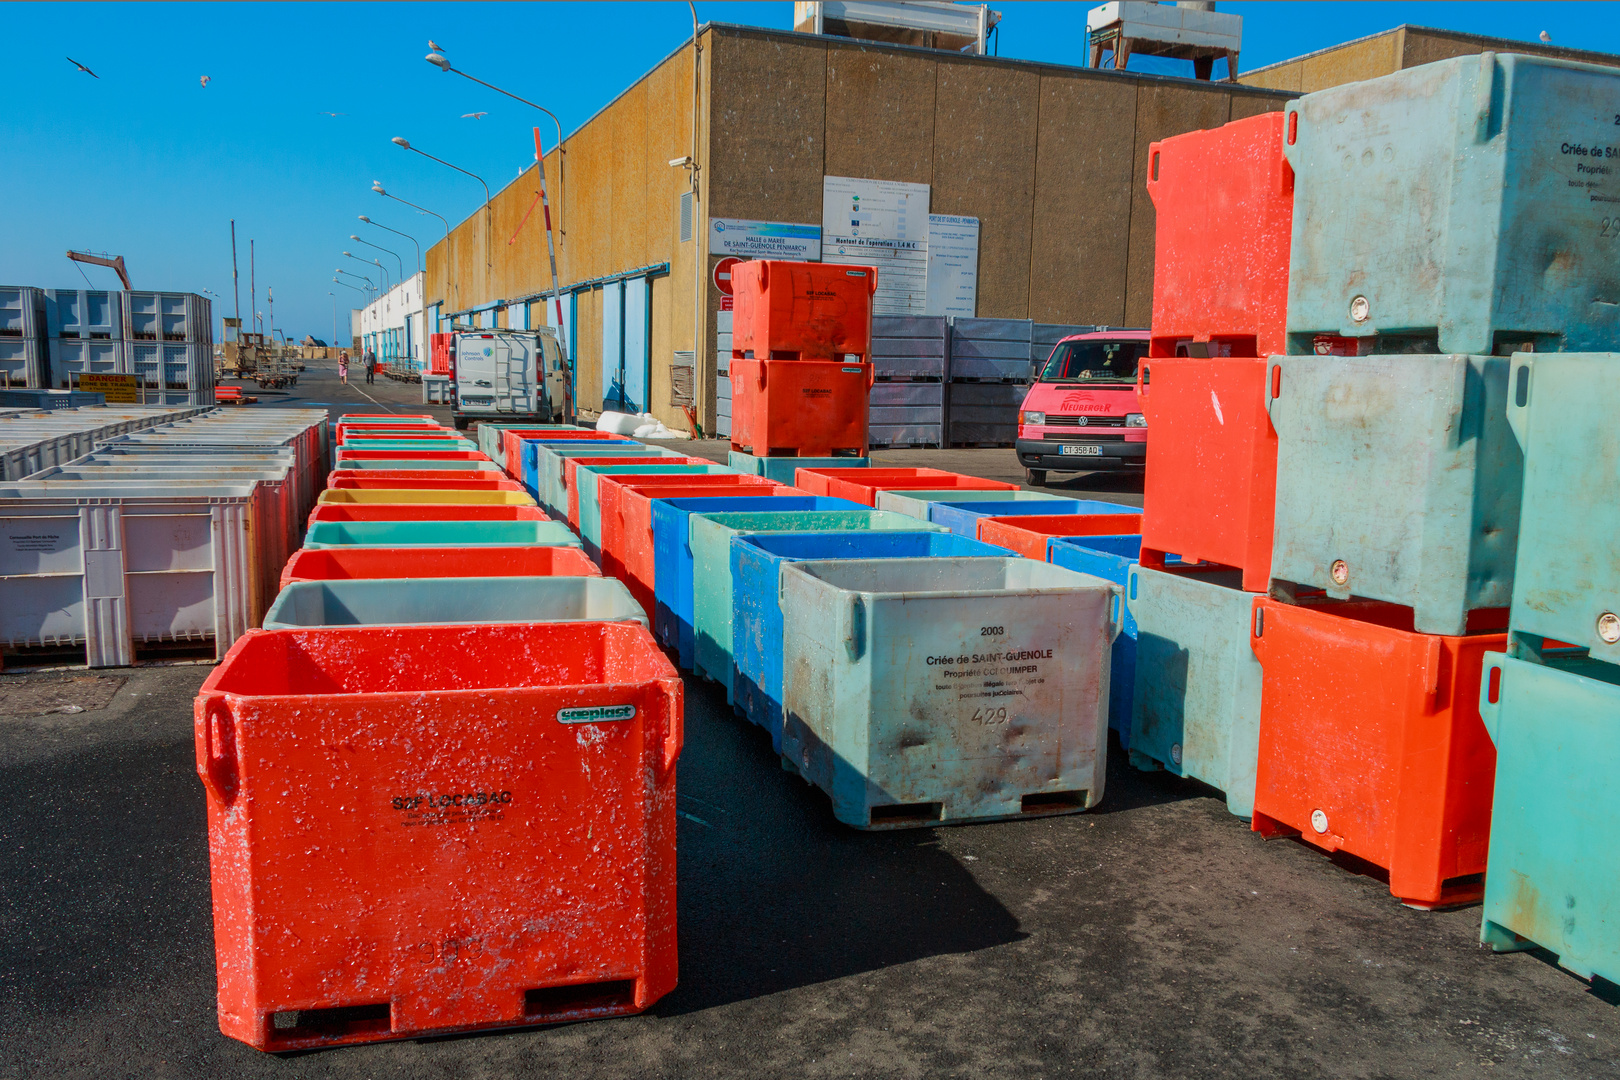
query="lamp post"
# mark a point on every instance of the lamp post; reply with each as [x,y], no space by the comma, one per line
[362,277]
[385,251]
[333,295]
[455,286]
[438,60]
[373,262]
[405,144]
[407,236]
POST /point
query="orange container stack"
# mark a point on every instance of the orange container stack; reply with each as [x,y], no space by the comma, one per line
[801,363]
[552,802]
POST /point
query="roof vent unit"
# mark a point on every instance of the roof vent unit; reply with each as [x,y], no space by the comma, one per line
[958,27]
[1185,31]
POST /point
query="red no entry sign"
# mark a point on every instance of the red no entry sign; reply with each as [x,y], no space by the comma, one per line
[722,274]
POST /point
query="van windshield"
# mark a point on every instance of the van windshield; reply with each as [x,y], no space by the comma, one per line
[1094,361]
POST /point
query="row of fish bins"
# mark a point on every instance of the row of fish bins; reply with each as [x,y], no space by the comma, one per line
[427,578]
[49,337]
[33,439]
[161,541]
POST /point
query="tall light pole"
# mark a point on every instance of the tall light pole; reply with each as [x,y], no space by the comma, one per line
[455,286]
[396,232]
[385,251]
[333,295]
[362,277]
[373,262]
[405,144]
[438,60]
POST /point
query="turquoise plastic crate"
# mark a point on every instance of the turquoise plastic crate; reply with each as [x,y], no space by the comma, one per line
[1467,204]
[1111,558]
[1398,479]
[1564,410]
[711,568]
[915,503]
[1553,870]
[590,513]
[782,469]
[393,534]
[937,691]
[421,601]
[1195,710]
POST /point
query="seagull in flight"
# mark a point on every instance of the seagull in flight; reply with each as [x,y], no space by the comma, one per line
[82,68]
[205,79]
[474,115]
[333,114]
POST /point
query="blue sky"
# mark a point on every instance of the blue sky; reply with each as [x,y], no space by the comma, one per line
[147,163]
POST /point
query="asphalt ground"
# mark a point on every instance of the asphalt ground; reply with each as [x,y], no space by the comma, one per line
[1155,937]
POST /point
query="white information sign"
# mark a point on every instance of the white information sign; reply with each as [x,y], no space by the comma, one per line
[953,265]
[881,223]
[764,240]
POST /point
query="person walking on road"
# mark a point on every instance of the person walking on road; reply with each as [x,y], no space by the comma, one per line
[371,366]
[343,368]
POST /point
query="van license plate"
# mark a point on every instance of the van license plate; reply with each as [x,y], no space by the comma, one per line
[1079,450]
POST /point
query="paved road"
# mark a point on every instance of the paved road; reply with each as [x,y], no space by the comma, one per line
[1154,938]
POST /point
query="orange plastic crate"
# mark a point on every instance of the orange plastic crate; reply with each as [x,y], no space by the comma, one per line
[1028,535]
[801,309]
[1210,492]
[329,564]
[627,535]
[803,408]
[1371,743]
[445,475]
[425,830]
[409,455]
[862,485]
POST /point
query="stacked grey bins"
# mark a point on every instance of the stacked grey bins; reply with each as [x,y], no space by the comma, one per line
[35,439]
[907,405]
[992,363]
[722,363]
[22,337]
[163,542]
[166,339]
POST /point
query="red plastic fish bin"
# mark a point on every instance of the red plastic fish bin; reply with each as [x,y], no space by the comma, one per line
[1223,203]
[863,485]
[1210,492]
[1028,535]
[388,480]
[1371,743]
[408,455]
[424,512]
[802,310]
[627,536]
[444,475]
[441,354]
[333,564]
[800,408]
[425,830]
[571,474]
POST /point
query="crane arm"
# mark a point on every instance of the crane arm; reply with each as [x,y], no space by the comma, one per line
[115,262]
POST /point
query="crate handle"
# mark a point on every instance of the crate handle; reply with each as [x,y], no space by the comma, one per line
[1130,591]
[1274,379]
[1141,380]
[1484,83]
[1490,709]
[855,627]
[1521,372]
[1116,612]
[1431,666]
[674,725]
[216,750]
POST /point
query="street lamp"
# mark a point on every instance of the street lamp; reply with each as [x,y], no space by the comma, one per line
[376,185]
[362,277]
[373,262]
[405,144]
[438,60]
[407,236]
[333,295]
[379,247]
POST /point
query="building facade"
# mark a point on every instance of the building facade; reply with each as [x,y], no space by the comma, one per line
[392,326]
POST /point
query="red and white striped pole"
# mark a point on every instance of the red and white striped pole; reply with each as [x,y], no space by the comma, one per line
[556,292]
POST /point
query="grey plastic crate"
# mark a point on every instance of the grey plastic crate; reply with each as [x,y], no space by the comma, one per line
[989,350]
[22,362]
[22,311]
[1006,396]
[979,433]
[167,316]
[909,394]
[909,368]
[888,417]
[84,314]
[905,435]
[992,329]
[425,601]
[68,358]
[978,369]
[890,348]
[910,326]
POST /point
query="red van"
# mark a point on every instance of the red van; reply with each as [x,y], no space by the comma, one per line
[1081,414]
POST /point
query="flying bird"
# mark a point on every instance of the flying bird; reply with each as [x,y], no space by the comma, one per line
[82,68]
[334,114]
[473,115]
[1546,36]
[435,46]
[205,82]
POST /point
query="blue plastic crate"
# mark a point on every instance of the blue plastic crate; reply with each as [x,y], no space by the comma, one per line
[962,518]
[1110,558]
[672,557]
[1553,869]
[756,626]
[532,459]
[1467,204]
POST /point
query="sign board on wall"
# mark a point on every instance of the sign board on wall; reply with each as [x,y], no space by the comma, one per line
[764,239]
[953,265]
[881,223]
[119,389]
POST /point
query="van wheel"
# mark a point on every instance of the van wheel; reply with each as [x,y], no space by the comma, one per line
[461,423]
[1035,477]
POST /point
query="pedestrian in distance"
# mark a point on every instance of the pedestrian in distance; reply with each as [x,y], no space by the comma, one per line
[343,368]
[371,366]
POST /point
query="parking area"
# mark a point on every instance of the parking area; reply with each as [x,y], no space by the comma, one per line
[1156,937]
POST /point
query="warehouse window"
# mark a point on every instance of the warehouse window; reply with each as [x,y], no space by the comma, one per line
[686,216]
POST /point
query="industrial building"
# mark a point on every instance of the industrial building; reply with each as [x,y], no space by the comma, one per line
[1049,160]
[391,326]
